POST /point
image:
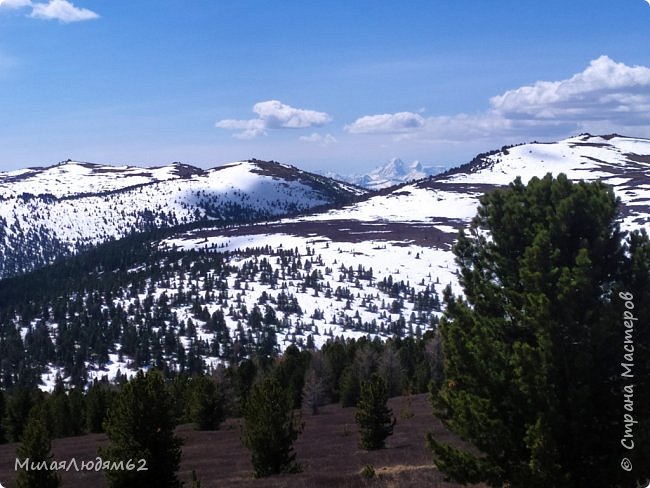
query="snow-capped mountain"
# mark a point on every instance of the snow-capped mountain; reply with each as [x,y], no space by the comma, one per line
[413,227]
[373,266]
[60,209]
[395,172]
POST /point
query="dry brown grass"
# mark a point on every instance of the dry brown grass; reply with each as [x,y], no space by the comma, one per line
[327,450]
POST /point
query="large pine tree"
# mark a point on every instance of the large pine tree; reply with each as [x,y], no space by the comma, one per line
[533,352]
[140,426]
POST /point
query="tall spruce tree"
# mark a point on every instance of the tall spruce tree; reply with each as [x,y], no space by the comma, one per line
[533,352]
[36,448]
[373,416]
[140,426]
[270,428]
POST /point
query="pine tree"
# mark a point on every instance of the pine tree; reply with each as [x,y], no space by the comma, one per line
[349,388]
[97,402]
[533,352]
[77,411]
[36,448]
[140,426]
[60,410]
[290,372]
[270,428]
[373,416]
[19,404]
[206,404]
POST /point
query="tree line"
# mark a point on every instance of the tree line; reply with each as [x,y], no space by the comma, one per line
[139,415]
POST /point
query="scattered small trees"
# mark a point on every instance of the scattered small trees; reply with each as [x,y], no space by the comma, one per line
[270,428]
[373,416]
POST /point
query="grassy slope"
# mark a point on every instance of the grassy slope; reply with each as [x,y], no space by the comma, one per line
[327,449]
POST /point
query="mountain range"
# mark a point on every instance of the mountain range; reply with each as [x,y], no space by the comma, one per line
[65,208]
[392,173]
[252,255]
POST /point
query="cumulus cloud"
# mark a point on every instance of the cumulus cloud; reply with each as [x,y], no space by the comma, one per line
[606,90]
[273,114]
[386,123]
[61,10]
[316,138]
[606,97]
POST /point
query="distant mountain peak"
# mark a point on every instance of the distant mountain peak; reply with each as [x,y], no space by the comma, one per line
[394,172]
[395,168]
[416,166]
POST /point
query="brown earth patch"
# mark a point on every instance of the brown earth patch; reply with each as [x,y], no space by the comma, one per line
[588,144]
[420,233]
[638,158]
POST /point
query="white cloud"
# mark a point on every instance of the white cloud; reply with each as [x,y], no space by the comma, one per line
[61,10]
[273,114]
[251,128]
[606,90]
[15,3]
[323,140]
[386,123]
[605,97]
[277,115]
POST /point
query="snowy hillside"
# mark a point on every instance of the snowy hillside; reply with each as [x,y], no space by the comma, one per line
[72,178]
[411,229]
[372,267]
[622,162]
[393,173]
[60,209]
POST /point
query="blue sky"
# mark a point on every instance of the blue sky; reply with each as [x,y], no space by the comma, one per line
[325,85]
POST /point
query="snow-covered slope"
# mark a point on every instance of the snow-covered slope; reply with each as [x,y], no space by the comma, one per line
[374,266]
[416,224]
[53,211]
[622,162]
[393,173]
[72,178]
